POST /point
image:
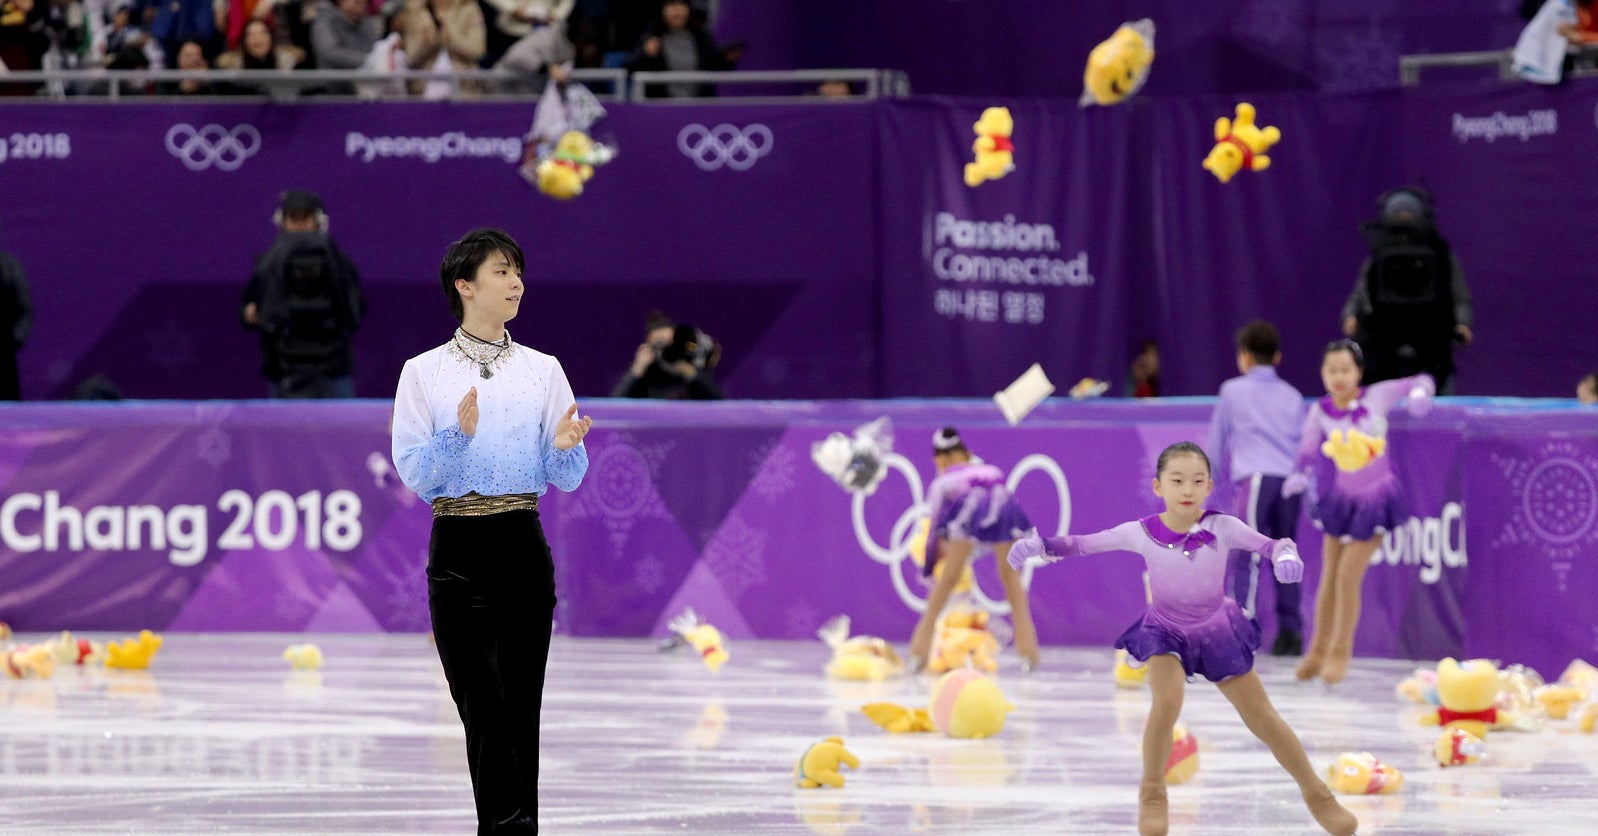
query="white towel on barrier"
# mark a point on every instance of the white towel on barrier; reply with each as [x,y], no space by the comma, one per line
[1539,55]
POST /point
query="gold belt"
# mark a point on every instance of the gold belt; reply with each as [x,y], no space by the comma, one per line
[477,505]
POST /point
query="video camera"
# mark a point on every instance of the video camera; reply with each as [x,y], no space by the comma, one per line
[691,344]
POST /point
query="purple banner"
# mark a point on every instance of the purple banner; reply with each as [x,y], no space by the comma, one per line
[208,518]
[137,225]
[843,259]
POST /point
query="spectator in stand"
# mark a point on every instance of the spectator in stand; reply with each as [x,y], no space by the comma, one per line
[1143,379]
[677,42]
[234,15]
[834,88]
[258,50]
[444,35]
[514,21]
[16,42]
[1587,389]
[341,37]
[123,33]
[1584,32]
[536,55]
[191,56]
[171,22]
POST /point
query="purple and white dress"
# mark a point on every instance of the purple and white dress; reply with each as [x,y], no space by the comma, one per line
[1189,614]
[970,501]
[1358,504]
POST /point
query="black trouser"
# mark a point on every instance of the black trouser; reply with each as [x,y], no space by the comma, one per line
[491,591]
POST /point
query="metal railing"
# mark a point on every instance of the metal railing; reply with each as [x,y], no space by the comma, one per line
[871,84]
[117,85]
[1410,66]
[607,84]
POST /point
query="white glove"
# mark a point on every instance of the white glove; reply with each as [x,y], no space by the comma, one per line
[1294,484]
[1289,568]
[1025,548]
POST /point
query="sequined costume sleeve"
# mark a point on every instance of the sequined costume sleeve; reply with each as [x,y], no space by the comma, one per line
[424,456]
[563,468]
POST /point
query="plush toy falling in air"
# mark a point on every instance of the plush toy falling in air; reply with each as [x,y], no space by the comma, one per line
[1360,773]
[856,462]
[705,639]
[559,155]
[820,764]
[1240,145]
[858,657]
[994,150]
[303,657]
[1119,65]
[132,654]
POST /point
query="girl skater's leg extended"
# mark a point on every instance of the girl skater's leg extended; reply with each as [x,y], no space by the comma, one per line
[1026,633]
[953,555]
[1167,683]
[1248,696]
[1350,577]
[1325,609]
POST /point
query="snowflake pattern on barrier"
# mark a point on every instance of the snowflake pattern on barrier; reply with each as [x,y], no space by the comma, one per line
[736,556]
[619,487]
[649,574]
[214,446]
[407,598]
[775,469]
[1556,506]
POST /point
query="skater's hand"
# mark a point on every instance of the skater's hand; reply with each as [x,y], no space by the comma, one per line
[1295,484]
[1420,402]
[1025,548]
[1289,568]
[466,412]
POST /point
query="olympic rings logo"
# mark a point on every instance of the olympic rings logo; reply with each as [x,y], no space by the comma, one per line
[724,145]
[898,549]
[212,145]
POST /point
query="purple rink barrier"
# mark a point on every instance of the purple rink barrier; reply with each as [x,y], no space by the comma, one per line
[266,516]
[844,259]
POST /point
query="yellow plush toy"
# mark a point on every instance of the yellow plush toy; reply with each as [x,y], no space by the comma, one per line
[1458,747]
[1465,693]
[70,650]
[963,640]
[704,638]
[1352,450]
[1360,773]
[1586,715]
[1420,686]
[36,661]
[858,657]
[820,763]
[966,704]
[995,152]
[898,719]
[133,654]
[1119,65]
[1240,145]
[1126,675]
[1183,763]
[563,173]
[303,657]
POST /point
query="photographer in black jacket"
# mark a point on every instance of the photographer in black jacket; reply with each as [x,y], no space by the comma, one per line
[675,362]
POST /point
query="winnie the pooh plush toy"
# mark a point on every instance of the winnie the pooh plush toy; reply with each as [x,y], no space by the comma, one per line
[303,657]
[1119,65]
[1360,773]
[70,650]
[1352,450]
[858,657]
[707,640]
[132,654]
[966,704]
[1183,763]
[1458,747]
[1240,145]
[964,640]
[995,153]
[820,764]
[563,172]
[25,661]
[1466,692]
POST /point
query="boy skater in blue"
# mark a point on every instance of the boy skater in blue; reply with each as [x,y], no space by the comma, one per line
[1254,438]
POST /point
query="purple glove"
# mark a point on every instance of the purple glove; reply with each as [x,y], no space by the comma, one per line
[1294,484]
[1289,568]
[1027,547]
[1420,402]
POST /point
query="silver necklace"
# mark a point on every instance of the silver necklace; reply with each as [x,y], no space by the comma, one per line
[487,355]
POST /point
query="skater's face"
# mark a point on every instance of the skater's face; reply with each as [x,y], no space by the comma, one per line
[496,292]
[1340,374]
[1184,484]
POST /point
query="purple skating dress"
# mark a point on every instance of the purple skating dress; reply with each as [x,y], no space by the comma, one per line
[1360,504]
[970,501]
[1189,614]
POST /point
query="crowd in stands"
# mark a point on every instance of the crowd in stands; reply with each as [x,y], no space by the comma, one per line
[528,39]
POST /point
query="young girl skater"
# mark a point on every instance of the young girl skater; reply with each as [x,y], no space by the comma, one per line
[1192,628]
[1360,504]
[971,506]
